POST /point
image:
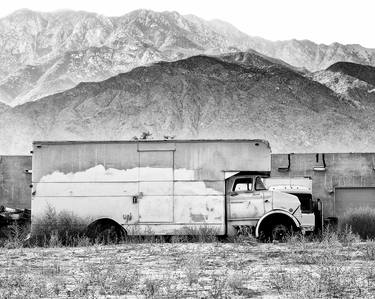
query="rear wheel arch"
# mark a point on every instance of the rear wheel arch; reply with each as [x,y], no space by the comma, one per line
[274,218]
[106,228]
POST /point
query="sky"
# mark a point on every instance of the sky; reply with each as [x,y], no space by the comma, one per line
[321,21]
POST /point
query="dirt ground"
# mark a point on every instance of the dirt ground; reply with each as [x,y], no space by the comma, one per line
[328,269]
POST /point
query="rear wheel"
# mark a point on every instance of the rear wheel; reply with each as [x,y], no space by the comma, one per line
[106,232]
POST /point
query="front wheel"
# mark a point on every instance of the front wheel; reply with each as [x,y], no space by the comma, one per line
[280,232]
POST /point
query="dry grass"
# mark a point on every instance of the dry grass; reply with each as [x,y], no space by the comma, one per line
[329,267]
[361,221]
[333,265]
[336,265]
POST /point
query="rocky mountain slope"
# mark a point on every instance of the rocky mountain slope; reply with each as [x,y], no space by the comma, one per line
[302,54]
[364,73]
[314,57]
[239,95]
[3,107]
[354,83]
[45,53]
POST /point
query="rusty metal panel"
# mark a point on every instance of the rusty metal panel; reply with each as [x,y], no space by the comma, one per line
[15,183]
[76,157]
[209,160]
[156,146]
[156,166]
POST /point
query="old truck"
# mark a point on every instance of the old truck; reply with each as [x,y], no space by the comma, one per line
[163,187]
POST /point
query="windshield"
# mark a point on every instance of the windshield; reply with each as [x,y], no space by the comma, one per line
[259,184]
[306,202]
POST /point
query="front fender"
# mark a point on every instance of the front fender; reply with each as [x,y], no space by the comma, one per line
[273,212]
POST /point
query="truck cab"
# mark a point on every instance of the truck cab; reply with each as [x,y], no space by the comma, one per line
[253,208]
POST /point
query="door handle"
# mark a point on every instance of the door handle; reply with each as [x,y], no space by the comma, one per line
[136,197]
[266,200]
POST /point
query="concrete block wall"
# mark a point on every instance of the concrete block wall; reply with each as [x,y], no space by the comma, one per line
[342,170]
[14,182]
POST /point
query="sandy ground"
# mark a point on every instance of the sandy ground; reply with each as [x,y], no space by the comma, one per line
[190,270]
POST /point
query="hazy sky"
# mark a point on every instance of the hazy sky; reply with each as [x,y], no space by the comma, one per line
[322,21]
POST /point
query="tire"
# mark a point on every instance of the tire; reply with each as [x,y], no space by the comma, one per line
[280,232]
[106,232]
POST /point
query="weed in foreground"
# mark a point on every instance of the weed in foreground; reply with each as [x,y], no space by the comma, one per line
[369,251]
[193,269]
[237,283]
[329,278]
[57,229]
[16,236]
[151,287]
[201,234]
[361,221]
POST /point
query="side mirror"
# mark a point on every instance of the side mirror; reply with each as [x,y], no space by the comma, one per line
[233,193]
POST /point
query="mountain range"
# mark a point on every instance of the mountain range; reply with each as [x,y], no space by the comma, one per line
[45,53]
[237,95]
[76,75]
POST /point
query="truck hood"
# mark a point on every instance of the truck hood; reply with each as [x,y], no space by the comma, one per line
[285,201]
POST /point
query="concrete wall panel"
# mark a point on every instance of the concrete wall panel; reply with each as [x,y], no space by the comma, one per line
[15,189]
[342,170]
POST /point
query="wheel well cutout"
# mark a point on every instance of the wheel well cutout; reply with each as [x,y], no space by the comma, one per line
[274,219]
[100,225]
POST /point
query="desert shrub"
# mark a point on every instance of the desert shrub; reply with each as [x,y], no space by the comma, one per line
[16,236]
[347,237]
[369,250]
[361,221]
[242,239]
[151,287]
[332,279]
[58,229]
[202,234]
[193,269]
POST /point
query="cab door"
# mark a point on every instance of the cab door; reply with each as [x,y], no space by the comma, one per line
[243,200]
[266,195]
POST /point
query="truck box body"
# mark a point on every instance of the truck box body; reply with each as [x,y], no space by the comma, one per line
[160,186]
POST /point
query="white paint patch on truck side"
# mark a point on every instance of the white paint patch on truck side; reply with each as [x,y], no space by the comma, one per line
[99,193]
[99,173]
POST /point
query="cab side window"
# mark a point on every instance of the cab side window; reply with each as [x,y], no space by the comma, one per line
[243,185]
